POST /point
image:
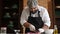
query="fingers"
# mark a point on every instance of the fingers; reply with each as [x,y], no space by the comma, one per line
[32,28]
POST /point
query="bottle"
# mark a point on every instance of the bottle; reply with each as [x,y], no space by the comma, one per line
[3,30]
[55,29]
[7,15]
[10,25]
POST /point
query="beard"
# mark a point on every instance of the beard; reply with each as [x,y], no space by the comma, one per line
[33,12]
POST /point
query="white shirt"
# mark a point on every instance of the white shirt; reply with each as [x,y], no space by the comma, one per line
[43,14]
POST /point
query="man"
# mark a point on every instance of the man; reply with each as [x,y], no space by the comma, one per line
[35,18]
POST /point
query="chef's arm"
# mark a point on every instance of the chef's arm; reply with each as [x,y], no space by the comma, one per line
[46,20]
[23,21]
[44,28]
[26,24]
[24,17]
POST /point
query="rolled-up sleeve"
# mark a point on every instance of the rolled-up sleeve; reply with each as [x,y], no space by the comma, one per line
[23,18]
[46,18]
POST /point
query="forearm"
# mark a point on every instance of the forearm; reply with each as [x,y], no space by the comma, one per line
[45,27]
[26,24]
[30,26]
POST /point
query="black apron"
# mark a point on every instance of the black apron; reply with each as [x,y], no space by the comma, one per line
[36,21]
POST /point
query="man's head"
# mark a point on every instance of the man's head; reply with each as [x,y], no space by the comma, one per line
[32,4]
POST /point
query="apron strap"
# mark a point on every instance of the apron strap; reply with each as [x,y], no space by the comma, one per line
[38,13]
[30,13]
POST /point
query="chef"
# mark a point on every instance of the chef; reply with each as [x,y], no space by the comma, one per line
[34,17]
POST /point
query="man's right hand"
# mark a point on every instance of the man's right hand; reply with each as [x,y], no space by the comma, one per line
[32,28]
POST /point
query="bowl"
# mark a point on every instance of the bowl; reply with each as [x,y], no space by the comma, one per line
[49,31]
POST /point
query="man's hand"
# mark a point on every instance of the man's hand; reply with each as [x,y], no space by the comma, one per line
[32,28]
[45,27]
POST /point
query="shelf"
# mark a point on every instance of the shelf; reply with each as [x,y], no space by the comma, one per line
[57,13]
[57,16]
[57,6]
